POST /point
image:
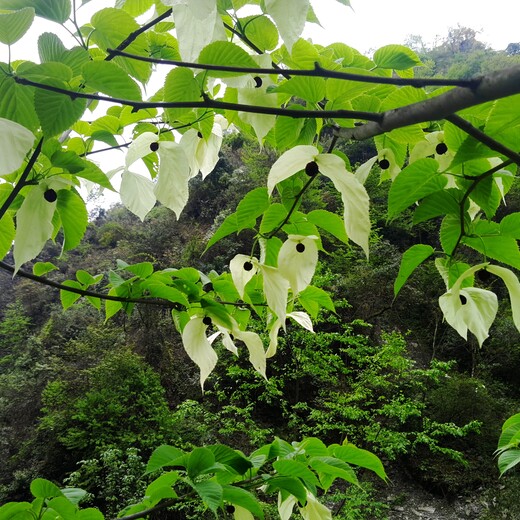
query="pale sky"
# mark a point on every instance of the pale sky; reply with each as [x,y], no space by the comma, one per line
[373,23]
[368,25]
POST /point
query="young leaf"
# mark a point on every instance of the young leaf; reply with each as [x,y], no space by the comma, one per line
[15,142]
[68,298]
[228,54]
[397,57]
[410,260]
[74,218]
[41,488]
[415,182]
[109,78]
[14,24]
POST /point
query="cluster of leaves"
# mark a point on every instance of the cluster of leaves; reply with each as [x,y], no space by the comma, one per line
[221,478]
[290,96]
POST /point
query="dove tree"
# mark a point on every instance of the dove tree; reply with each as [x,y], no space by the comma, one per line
[447,148]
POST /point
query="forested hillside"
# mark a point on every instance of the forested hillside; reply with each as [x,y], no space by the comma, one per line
[107,386]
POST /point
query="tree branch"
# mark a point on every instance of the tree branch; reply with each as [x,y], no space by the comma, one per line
[317,72]
[210,104]
[483,138]
[21,181]
[495,85]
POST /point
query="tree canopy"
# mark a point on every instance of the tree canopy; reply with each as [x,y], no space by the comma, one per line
[447,148]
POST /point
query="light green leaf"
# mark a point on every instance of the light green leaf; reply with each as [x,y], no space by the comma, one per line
[330,468]
[89,513]
[415,182]
[50,47]
[200,459]
[68,298]
[135,7]
[397,57]
[57,112]
[329,222]
[362,458]
[41,488]
[17,103]
[510,225]
[15,24]
[254,204]
[297,261]
[242,498]
[312,299]
[137,193]
[507,460]
[33,225]
[55,10]
[198,348]
[162,457]
[142,269]
[287,130]
[410,260]
[74,218]
[273,217]
[15,143]
[210,492]
[310,89]
[180,85]
[161,487]
[226,228]
[354,196]
[41,268]
[228,54]
[291,26]
[7,234]
[444,202]
[109,78]
[261,31]
[73,495]
[112,27]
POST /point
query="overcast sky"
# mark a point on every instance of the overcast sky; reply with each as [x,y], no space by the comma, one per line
[373,23]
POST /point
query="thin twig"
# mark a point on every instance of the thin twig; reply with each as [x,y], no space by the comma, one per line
[21,181]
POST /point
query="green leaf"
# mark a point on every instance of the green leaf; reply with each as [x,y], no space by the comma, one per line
[487,195]
[241,497]
[17,511]
[50,47]
[142,269]
[74,218]
[294,468]
[199,460]
[396,57]
[180,85]
[510,225]
[224,53]
[254,204]
[359,457]
[55,10]
[15,24]
[450,233]
[310,89]
[507,460]
[162,457]
[330,468]
[112,27]
[261,31]
[291,485]
[415,182]
[41,268]
[68,298]
[111,79]
[273,217]
[329,222]
[73,495]
[230,457]
[487,240]
[312,299]
[444,202]
[57,112]
[287,130]
[410,260]
[210,492]
[17,102]
[7,234]
[41,488]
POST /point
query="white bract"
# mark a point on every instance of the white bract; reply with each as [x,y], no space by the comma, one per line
[297,261]
[15,142]
[353,194]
